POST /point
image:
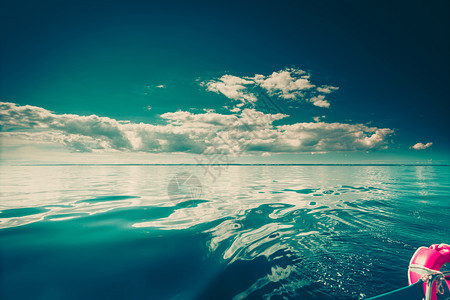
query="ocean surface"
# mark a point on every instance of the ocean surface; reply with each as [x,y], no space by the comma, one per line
[242,232]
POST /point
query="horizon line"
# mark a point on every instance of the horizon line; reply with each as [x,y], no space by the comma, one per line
[233,164]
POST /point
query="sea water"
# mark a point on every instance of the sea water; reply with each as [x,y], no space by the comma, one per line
[244,232]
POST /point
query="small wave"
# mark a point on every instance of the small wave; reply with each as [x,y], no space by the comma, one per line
[302,191]
[65,217]
[107,198]
[22,212]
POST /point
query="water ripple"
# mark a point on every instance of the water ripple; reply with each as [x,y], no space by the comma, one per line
[257,232]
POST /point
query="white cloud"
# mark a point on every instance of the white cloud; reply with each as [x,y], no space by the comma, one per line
[318,118]
[285,83]
[319,101]
[288,84]
[199,120]
[420,146]
[318,137]
[327,89]
[232,87]
[250,130]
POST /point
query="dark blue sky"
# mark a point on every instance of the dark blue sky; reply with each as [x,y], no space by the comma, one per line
[389,58]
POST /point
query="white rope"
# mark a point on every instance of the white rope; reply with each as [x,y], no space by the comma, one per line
[427,271]
[440,287]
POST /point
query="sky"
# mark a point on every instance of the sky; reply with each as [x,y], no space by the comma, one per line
[224,82]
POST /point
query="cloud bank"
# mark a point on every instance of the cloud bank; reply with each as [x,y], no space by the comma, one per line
[248,131]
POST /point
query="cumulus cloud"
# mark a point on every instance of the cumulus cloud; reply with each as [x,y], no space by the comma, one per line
[327,89]
[318,118]
[232,87]
[198,120]
[248,131]
[420,146]
[288,84]
[320,101]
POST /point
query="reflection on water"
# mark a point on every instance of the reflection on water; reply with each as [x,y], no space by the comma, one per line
[313,232]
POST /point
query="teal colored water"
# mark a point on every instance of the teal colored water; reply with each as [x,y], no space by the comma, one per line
[255,232]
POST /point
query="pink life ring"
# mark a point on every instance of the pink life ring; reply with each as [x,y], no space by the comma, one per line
[432,258]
